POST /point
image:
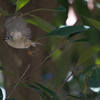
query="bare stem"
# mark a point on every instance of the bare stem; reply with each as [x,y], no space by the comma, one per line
[19,81]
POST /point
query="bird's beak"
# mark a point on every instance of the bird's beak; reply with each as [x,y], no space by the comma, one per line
[4,39]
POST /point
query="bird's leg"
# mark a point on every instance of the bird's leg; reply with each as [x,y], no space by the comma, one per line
[31,52]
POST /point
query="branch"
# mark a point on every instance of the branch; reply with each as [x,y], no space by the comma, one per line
[19,81]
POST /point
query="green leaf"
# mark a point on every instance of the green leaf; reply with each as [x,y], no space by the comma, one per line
[66,31]
[21,3]
[60,9]
[82,40]
[88,53]
[1,68]
[4,12]
[82,78]
[95,23]
[49,92]
[94,81]
[37,23]
[38,90]
[74,97]
[43,23]
[8,72]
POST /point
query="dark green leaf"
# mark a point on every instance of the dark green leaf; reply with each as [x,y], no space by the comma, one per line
[82,40]
[8,72]
[88,53]
[1,68]
[94,81]
[82,78]
[66,31]
[21,3]
[95,23]
[4,12]
[74,97]
[43,23]
[49,92]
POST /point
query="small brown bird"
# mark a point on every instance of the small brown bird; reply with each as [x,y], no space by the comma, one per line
[18,34]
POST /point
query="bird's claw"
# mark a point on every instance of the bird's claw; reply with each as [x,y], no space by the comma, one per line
[31,53]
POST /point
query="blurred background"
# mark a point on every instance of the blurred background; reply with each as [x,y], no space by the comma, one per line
[58,67]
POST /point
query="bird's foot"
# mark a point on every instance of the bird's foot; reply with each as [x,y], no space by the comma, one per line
[31,53]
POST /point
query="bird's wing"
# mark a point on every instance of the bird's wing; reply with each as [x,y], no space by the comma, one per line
[17,24]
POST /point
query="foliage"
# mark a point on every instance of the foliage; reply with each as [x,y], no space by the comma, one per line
[89,77]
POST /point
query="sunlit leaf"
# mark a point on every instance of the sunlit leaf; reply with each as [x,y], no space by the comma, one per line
[43,23]
[95,23]
[82,78]
[37,23]
[21,3]
[67,31]
[82,40]
[88,53]
[74,97]
[48,91]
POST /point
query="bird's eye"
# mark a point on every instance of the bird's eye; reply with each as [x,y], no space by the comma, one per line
[8,37]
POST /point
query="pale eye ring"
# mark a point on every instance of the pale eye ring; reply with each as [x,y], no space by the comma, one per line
[8,37]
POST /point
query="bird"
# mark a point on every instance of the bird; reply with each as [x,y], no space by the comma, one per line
[18,33]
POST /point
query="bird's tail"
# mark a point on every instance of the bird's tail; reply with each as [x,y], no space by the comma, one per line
[34,44]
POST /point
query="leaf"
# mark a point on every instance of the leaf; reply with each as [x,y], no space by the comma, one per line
[4,12]
[73,97]
[66,31]
[8,72]
[49,92]
[82,40]
[36,23]
[1,68]
[21,3]
[88,53]
[95,78]
[38,90]
[82,78]
[95,23]
[60,9]
[43,23]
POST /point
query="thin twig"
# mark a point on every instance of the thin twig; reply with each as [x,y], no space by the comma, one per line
[19,81]
[64,83]
[44,60]
[67,80]
[92,95]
